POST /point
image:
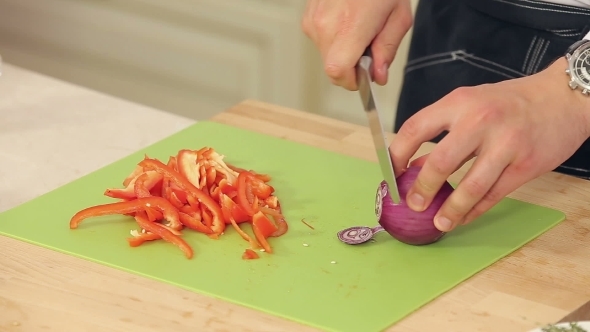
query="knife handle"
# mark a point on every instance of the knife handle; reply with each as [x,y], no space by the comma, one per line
[368,52]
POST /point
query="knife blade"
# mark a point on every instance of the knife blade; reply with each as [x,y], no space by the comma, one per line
[364,81]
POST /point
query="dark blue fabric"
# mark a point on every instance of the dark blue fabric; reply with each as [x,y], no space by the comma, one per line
[471,42]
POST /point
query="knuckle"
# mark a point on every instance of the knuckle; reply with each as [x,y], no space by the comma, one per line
[475,187]
[335,71]
[461,94]
[406,21]
[455,210]
[306,26]
[490,198]
[410,129]
[490,112]
[440,162]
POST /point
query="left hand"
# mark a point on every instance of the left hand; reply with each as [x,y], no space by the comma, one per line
[517,130]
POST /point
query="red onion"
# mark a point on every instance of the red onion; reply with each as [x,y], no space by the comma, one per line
[403,223]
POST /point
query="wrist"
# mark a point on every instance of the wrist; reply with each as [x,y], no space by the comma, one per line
[573,99]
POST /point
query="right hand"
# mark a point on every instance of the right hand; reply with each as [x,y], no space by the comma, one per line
[342,30]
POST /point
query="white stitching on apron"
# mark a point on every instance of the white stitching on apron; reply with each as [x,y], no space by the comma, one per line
[528,53]
[468,58]
[557,5]
[544,9]
[533,59]
[428,57]
[540,58]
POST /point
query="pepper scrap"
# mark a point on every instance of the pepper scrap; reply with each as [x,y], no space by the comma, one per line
[196,190]
[138,205]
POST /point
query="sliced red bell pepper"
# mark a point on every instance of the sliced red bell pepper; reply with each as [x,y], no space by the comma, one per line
[211,175]
[153,214]
[169,212]
[216,161]
[138,170]
[263,228]
[165,234]
[136,241]
[250,254]
[277,215]
[245,196]
[218,225]
[187,166]
[259,188]
[145,182]
[194,223]
[207,219]
[231,209]
[174,199]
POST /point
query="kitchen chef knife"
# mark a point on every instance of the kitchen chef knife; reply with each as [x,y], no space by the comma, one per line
[363,74]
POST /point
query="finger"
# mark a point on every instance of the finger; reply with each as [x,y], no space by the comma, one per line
[444,160]
[307,19]
[474,186]
[419,128]
[419,162]
[386,43]
[508,182]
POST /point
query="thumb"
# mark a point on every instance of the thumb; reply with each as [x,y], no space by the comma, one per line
[386,43]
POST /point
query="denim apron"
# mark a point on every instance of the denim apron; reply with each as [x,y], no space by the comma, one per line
[471,42]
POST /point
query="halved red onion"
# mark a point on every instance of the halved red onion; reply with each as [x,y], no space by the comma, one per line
[403,223]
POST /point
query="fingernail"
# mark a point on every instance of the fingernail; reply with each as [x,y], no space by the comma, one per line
[384,68]
[443,224]
[416,202]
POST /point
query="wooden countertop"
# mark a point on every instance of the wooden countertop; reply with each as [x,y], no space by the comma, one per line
[52,132]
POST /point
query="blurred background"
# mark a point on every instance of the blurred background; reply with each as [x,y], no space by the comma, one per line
[194,58]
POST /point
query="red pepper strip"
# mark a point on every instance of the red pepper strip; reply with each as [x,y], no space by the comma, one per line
[136,172]
[145,182]
[126,193]
[193,202]
[180,195]
[203,173]
[283,227]
[211,175]
[214,192]
[165,234]
[259,187]
[263,177]
[136,241]
[231,209]
[236,169]
[174,199]
[250,254]
[218,226]
[226,187]
[263,228]
[243,190]
[244,235]
[187,166]
[153,214]
[173,163]
[169,211]
[194,223]
[206,216]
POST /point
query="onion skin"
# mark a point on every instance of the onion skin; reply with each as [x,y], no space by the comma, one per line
[403,223]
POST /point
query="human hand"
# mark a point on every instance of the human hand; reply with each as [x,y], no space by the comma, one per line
[342,30]
[517,130]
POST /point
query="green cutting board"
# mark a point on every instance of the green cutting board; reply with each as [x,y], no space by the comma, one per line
[325,284]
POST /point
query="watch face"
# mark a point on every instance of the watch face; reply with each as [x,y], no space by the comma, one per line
[580,68]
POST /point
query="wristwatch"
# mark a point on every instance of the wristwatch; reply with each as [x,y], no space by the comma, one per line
[578,58]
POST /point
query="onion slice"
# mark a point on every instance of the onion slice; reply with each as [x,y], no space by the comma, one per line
[403,223]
